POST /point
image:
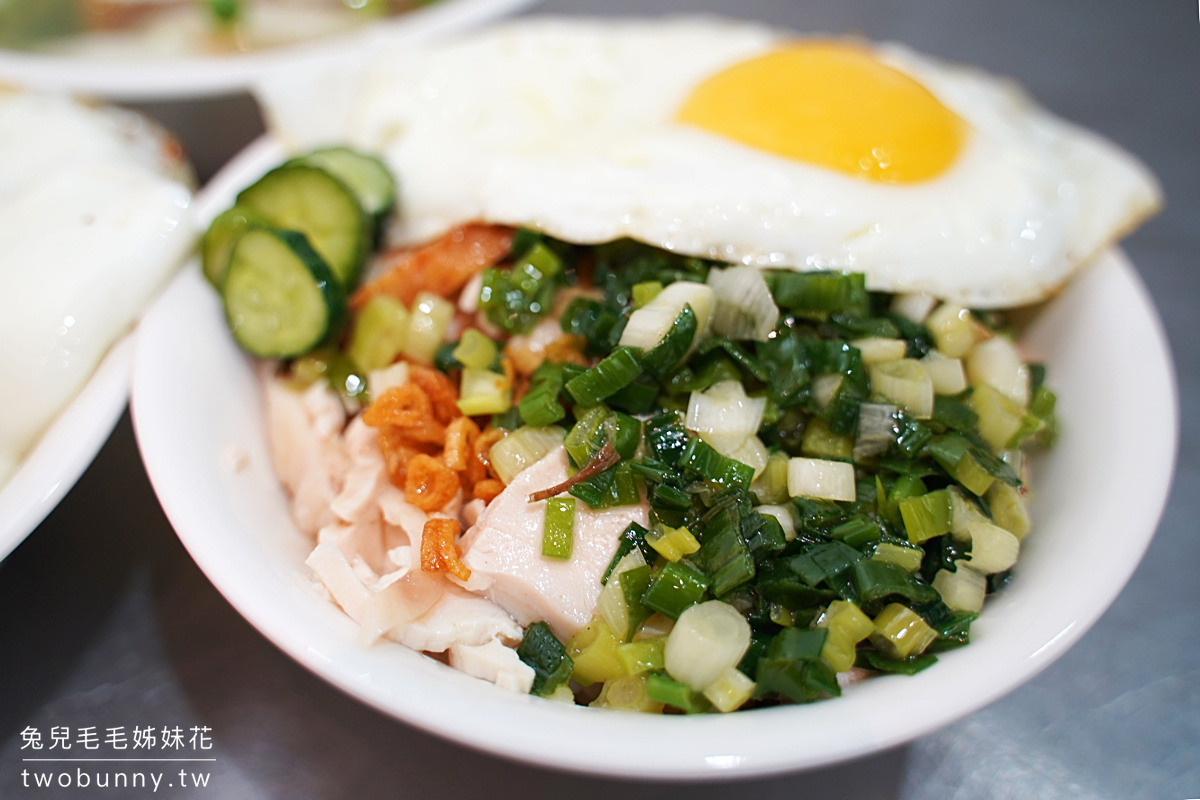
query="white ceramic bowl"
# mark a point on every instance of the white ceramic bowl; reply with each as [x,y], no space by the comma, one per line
[159,78]
[1099,494]
[66,448]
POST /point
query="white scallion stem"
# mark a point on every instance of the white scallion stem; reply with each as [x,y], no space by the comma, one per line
[707,639]
[816,477]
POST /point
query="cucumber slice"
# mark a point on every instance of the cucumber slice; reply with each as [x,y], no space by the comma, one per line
[366,175]
[281,300]
[307,199]
[218,242]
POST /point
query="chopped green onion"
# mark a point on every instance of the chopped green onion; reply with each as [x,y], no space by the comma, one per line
[744,306]
[672,543]
[900,632]
[676,586]
[541,649]
[961,590]
[792,666]
[707,639]
[905,383]
[993,549]
[523,448]
[907,558]
[427,326]
[559,527]
[730,690]
[644,292]
[954,330]
[593,649]
[997,363]
[670,351]
[643,656]
[380,333]
[649,325]
[675,693]
[826,480]
[926,516]
[614,372]
[484,392]
[820,291]
[540,406]
[475,350]
[907,666]
[515,299]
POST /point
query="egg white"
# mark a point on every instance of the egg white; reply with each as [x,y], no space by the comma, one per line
[567,126]
[93,217]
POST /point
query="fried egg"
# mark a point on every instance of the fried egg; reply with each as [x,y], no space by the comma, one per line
[733,141]
[93,217]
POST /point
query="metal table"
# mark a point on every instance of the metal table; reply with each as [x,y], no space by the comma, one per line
[108,623]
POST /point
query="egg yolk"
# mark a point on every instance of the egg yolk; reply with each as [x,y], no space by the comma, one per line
[832,104]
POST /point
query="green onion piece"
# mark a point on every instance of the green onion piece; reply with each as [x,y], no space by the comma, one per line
[614,372]
[443,358]
[792,666]
[515,299]
[640,657]
[475,350]
[638,397]
[820,291]
[676,586]
[907,558]
[625,432]
[522,448]
[926,516]
[586,437]
[701,458]
[726,558]
[380,333]
[427,326]
[620,601]
[540,404]
[593,648]
[857,531]
[672,543]
[907,666]
[560,527]
[674,693]
[540,649]
[670,496]
[666,438]
[876,580]
[634,536]
[644,292]
[484,392]
[671,349]
[592,320]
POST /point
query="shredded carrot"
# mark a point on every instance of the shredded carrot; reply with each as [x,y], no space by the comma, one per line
[443,266]
[486,490]
[460,443]
[429,483]
[440,391]
[438,553]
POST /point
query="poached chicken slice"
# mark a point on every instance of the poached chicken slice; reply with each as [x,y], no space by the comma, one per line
[503,550]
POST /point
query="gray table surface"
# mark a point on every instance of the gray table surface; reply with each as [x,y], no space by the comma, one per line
[107,622]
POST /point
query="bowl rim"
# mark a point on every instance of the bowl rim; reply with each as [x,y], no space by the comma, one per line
[685,748]
[67,447]
[195,77]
